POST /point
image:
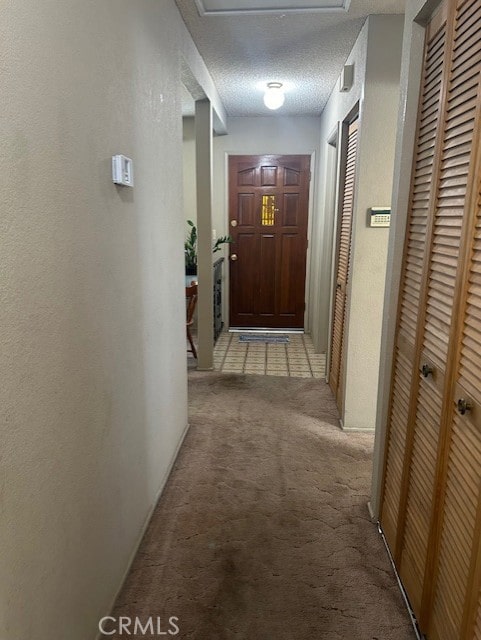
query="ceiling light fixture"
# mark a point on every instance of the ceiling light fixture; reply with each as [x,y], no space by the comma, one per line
[274,96]
[245,7]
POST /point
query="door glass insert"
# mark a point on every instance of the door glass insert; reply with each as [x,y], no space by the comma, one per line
[268,210]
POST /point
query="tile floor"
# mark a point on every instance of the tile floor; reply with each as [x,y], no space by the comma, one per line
[295,358]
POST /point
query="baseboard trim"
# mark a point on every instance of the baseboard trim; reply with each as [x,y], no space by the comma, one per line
[371,513]
[356,429]
[414,621]
[146,523]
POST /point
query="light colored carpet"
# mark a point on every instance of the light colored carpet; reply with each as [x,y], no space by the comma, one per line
[262,532]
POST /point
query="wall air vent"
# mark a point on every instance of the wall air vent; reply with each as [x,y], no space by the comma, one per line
[246,7]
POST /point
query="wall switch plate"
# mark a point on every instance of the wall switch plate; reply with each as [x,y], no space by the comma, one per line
[122,171]
[380,216]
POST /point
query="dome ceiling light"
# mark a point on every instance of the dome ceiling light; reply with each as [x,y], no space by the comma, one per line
[274,96]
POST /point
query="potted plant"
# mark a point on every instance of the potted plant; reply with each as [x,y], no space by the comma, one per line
[190,248]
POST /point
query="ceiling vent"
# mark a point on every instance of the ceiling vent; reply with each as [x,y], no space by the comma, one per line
[246,7]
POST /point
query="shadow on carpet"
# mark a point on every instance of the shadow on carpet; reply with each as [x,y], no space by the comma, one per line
[262,532]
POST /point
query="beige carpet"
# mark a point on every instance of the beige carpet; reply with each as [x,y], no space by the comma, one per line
[262,532]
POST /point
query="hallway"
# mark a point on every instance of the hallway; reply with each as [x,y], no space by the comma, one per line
[263,531]
[120,123]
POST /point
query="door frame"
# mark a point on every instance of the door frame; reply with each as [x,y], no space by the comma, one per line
[343,135]
[310,209]
[417,15]
[335,141]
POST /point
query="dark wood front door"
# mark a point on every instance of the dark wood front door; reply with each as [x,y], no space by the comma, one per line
[268,212]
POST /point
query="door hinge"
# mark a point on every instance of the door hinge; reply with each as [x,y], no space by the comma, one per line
[310,175]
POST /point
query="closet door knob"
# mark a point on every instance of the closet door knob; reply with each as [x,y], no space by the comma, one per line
[463,406]
[426,370]
[233,257]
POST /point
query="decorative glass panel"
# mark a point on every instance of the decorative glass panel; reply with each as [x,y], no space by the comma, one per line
[268,210]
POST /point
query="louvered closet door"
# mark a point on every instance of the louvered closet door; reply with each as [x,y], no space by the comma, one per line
[457,528]
[431,502]
[417,491]
[412,293]
[343,259]
[456,592]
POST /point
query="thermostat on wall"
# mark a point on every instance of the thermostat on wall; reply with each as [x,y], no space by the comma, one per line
[122,171]
[346,79]
[379,216]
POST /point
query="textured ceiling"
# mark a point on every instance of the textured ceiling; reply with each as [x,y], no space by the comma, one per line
[304,51]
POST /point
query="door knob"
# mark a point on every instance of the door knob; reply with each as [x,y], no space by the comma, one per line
[233,257]
[464,405]
[426,370]
[233,223]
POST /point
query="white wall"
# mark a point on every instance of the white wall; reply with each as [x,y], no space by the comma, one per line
[188,155]
[369,248]
[377,59]
[338,107]
[93,390]
[257,136]
[411,72]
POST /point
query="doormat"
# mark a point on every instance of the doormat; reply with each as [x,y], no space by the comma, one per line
[247,337]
